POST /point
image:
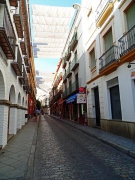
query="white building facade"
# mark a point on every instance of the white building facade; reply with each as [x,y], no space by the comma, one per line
[109,48]
[13,69]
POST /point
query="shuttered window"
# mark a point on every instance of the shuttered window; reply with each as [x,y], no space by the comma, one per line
[93,61]
[108,40]
[130,14]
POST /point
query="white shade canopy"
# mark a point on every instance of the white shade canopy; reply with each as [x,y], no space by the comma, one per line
[51,26]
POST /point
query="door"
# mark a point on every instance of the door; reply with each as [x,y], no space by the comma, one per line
[97,106]
[115,102]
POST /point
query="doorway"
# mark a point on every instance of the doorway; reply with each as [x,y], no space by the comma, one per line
[97,106]
[115,102]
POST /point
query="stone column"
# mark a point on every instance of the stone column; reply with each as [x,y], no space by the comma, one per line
[13,119]
[19,125]
[4,106]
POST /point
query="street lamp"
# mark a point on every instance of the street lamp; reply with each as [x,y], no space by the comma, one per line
[77,6]
[129,65]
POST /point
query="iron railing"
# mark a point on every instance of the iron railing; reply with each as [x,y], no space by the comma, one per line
[72,88]
[74,62]
[110,56]
[64,62]
[68,71]
[101,7]
[74,38]
[127,42]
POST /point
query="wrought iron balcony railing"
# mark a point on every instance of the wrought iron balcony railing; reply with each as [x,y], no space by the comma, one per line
[73,41]
[102,7]
[68,54]
[64,62]
[75,63]
[64,77]
[127,42]
[68,73]
[71,89]
[17,65]
[110,56]
[75,85]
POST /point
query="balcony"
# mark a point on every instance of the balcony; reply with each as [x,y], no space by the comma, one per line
[28,69]
[109,61]
[127,46]
[17,65]
[22,79]
[75,85]
[23,47]
[58,95]
[103,11]
[68,73]
[13,3]
[25,86]
[26,61]
[18,23]
[74,64]
[7,36]
[71,89]
[64,62]
[64,78]
[68,54]
[74,42]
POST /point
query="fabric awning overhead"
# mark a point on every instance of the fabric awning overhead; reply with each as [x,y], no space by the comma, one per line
[71,99]
[51,26]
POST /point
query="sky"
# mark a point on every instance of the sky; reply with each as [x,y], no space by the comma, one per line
[44,64]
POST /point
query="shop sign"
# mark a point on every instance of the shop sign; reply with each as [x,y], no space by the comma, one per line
[81,89]
[133,74]
[81,98]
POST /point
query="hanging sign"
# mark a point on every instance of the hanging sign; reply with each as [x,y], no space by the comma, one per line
[81,90]
[81,98]
[133,74]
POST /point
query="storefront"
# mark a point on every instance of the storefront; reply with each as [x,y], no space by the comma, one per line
[31,105]
[76,108]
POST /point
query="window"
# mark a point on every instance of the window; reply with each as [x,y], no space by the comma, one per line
[130,15]
[108,40]
[92,57]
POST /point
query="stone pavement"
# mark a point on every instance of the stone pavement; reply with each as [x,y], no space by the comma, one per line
[122,144]
[17,158]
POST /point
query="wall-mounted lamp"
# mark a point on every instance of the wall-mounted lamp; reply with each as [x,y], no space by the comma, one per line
[78,6]
[129,65]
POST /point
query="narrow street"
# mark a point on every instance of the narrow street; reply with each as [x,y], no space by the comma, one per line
[64,152]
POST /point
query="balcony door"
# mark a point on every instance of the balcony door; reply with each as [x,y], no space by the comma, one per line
[108,40]
[130,15]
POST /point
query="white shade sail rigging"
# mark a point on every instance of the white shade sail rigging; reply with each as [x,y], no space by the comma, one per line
[51,26]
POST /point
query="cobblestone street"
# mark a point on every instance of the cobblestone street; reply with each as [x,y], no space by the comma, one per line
[64,152]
